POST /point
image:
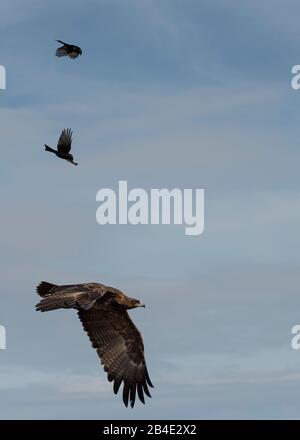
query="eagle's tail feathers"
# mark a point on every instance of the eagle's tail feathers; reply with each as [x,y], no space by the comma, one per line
[44,288]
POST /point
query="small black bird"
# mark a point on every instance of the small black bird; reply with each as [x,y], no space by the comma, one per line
[68,50]
[63,146]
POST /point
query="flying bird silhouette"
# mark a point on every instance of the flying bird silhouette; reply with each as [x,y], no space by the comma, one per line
[63,146]
[103,313]
[68,50]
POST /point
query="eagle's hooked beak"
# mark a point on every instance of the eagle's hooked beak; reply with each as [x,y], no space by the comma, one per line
[141,305]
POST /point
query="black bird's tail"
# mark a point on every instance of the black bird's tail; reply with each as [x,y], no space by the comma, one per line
[59,41]
[49,149]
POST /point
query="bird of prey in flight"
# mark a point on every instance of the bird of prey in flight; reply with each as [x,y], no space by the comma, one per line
[63,146]
[103,313]
[68,50]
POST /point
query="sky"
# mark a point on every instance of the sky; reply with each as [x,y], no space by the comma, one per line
[168,93]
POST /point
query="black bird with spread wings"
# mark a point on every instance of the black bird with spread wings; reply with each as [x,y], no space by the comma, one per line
[68,50]
[63,146]
[103,313]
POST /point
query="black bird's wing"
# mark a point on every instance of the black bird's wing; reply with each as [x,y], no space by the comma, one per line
[65,141]
[64,50]
[120,347]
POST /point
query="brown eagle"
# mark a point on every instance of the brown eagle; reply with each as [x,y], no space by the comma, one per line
[103,313]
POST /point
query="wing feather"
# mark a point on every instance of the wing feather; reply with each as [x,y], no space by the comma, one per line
[140,392]
[126,389]
[117,383]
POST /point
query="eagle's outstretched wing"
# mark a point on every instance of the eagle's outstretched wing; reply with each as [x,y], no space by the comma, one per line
[120,347]
[77,296]
[65,141]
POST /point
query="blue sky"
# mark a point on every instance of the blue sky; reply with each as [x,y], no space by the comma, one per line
[189,94]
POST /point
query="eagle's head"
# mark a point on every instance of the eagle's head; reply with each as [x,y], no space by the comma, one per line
[135,303]
[131,303]
[125,301]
